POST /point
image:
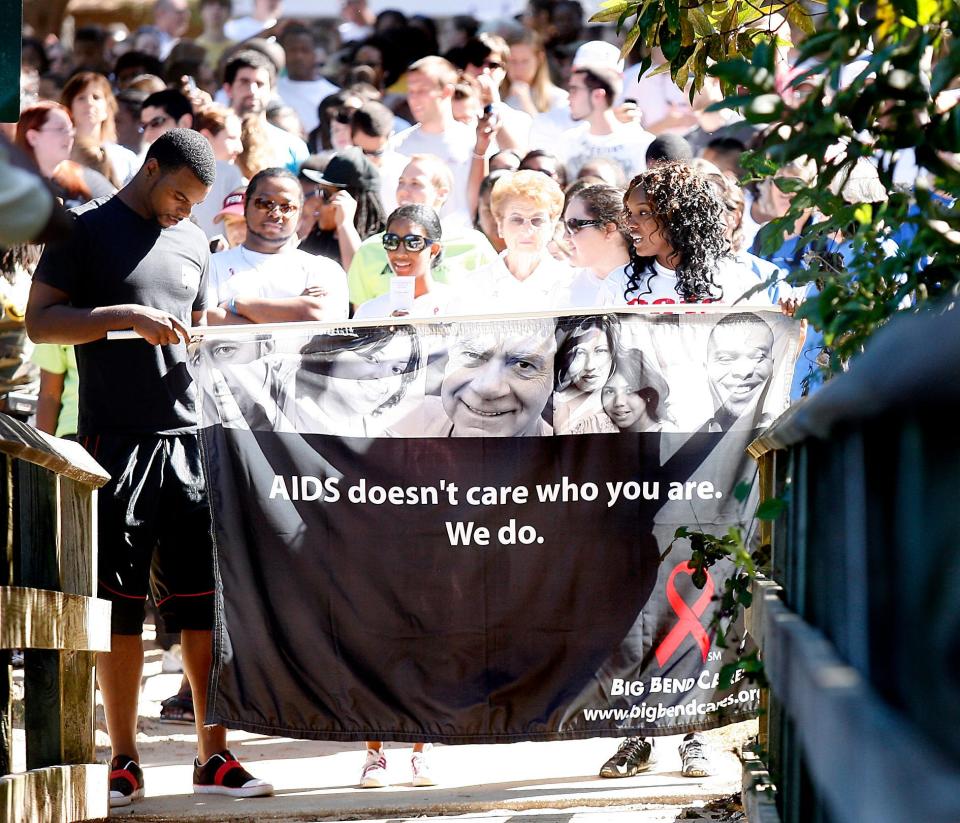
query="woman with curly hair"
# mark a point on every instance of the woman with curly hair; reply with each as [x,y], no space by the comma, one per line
[675,218]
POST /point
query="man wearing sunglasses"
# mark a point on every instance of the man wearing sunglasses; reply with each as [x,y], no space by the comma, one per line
[163,111]
[267,279]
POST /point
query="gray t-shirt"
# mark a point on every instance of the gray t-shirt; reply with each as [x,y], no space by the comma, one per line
[115,256]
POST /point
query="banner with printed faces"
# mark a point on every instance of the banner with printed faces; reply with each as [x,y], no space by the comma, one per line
[458,532]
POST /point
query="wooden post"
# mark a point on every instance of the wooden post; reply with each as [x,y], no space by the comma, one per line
[78,575]
[6,577]
[36,547]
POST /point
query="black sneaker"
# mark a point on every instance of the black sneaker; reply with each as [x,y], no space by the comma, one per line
[634,755]
[126,781]
[223,774]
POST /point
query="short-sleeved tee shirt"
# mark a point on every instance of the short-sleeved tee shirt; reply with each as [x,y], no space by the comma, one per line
[58,359]
[454,146]
[114,257]
[627,147]
[240,272]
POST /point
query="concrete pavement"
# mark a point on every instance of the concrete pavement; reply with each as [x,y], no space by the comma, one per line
[318,780]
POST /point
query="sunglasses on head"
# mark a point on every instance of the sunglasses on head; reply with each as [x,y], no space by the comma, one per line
[262,204]
[411,242]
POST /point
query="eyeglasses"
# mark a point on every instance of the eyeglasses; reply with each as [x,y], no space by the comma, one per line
[155,123]
[270,205]
[493,65]
[69,132]
[411,242]
[574,224]
[537,222]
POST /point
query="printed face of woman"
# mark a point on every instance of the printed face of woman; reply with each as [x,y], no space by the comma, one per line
[357,382]
[624,406]
[591,361]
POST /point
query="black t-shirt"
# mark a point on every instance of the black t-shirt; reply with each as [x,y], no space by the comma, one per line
[113,257]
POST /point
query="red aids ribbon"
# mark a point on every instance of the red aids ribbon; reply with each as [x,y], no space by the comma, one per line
[689,622]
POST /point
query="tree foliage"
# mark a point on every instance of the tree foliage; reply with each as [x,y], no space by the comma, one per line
[873,85]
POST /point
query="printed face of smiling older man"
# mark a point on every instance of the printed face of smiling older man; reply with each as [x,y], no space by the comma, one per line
[497,382]
[739,364]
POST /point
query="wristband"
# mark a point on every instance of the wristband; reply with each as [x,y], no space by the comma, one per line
[232,306]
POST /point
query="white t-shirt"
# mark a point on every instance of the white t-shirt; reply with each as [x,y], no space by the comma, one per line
[304,97]
[124,162]
[455,148]
[432,304]
[228,178]
[243,28]
[626,145]
[239,272]
[660,286]
[586,290]
[392,164]
[493,290]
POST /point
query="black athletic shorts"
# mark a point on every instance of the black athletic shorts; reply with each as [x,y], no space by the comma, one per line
[154,531]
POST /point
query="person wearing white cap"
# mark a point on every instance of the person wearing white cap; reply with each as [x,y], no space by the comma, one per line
[595,83]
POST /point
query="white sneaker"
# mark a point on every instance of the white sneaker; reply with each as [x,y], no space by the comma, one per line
[420,763]
[172,662]
[374,774]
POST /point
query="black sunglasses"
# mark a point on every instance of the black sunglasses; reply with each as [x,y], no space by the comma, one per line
[573,224]
[411,242]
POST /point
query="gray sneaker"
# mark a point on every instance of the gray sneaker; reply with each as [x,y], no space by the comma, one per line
[635,755]
[697,756]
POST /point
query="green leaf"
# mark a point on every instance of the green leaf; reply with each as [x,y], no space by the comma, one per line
[742,491]
[680,533]
[611,10]
[797,16]
[630,40]
[702,24]
[771,509]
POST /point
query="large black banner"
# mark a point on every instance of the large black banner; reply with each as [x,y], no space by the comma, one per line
[453,532]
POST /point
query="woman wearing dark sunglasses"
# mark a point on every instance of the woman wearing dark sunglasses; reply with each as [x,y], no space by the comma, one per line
[597,235]
[413,248]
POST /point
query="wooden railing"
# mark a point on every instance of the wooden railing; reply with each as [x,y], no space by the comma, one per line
[49,609]
[858,626]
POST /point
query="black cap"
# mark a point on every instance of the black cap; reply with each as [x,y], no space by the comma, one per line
[347,169]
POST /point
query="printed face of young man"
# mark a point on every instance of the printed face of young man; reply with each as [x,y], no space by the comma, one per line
[497,384]
[739,363]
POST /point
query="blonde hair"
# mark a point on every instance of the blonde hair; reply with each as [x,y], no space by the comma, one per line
[436,68]
[527,185]
[541,86]
[439,172]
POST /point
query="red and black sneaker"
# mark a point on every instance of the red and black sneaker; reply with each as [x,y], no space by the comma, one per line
[223,774]
[126,781]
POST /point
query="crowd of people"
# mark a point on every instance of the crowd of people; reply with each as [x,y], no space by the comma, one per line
[272,170]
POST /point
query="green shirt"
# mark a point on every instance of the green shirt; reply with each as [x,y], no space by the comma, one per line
[53,357]
[370,274]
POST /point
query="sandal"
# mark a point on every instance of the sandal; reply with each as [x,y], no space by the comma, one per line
[178,709]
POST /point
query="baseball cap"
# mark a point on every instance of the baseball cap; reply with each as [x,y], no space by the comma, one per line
[232,204]
[598,54]
[347,169]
